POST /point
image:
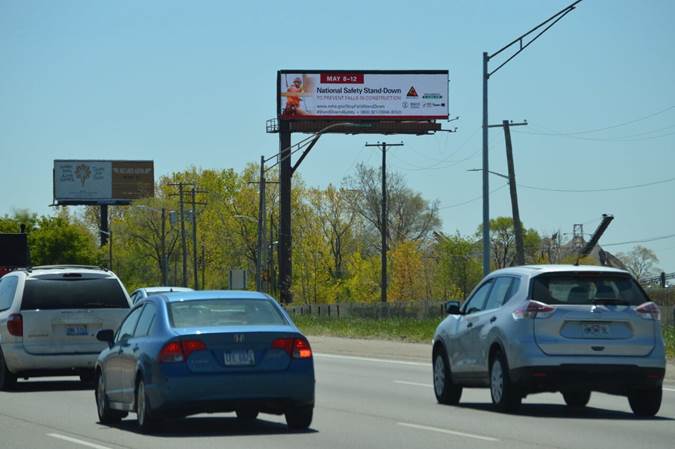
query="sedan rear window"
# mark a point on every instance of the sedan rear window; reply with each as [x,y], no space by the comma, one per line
[100,293]
[224,312]
[587,288]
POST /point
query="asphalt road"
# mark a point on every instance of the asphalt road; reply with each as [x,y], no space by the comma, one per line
[361,403]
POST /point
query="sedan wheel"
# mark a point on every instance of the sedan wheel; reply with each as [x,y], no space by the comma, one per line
[105,414]
[146,420]
[576,399]
[445,390]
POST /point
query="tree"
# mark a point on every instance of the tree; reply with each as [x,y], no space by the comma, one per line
[640,261]
[459,267]
[407,279]
[503,242]
[410,217]
[62,240]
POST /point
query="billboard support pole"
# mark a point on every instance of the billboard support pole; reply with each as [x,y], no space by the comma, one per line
[285,173]
[103,227]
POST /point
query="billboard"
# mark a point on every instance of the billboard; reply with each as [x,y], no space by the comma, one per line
[102,182]
[362,95]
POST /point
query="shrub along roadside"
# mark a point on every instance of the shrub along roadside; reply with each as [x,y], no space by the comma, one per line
[400,329]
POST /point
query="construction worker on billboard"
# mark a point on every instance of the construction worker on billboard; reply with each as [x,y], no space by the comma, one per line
[293,97]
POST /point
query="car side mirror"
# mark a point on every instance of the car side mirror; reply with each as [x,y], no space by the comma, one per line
[452,308]
[106,335]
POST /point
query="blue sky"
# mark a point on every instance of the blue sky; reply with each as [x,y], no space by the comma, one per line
[192,83]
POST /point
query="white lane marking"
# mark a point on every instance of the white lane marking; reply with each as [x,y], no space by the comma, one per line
[76,441]
[370,359]
[449,432]
[415,384]
[669,389]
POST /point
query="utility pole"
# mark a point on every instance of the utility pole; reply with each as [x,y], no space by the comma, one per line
[261,227]
[195,249]
[203,266]
[182,233]
[517,225]
[165,260]
[181,189]
[522,42]
[383,274]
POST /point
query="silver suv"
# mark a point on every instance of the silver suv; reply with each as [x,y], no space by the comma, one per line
[49,317]
[566,328]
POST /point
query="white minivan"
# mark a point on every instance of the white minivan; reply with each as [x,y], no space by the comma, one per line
[49,317]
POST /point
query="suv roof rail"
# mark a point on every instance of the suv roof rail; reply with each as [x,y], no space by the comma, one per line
[62,266]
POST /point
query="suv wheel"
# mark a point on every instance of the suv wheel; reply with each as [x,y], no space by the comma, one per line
[505,395]
[446,391]
[106,415]
[7,379]
[576,399]
[645,402]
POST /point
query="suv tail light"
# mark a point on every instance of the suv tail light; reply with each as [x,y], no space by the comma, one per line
[533,309]
[179,351]
[15,325]
[649,311]
[297,348]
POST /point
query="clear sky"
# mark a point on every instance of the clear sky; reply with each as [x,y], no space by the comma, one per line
[192,83]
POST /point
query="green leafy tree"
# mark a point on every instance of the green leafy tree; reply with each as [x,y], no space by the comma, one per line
[62,240]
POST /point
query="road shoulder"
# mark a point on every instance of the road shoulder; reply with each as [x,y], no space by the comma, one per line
[384,349]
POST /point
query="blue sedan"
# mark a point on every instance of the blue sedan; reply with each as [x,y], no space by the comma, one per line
[184,353]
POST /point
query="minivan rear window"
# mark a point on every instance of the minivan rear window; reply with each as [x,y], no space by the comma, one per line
[587,288]
[224,312]
[74,293]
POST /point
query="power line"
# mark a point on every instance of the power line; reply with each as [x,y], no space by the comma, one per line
[605,139]
[618,125]
[653,239]
[472,199]
[608,189]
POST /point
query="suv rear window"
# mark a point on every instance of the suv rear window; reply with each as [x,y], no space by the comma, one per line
[101,293]
[224,312]
[587,288]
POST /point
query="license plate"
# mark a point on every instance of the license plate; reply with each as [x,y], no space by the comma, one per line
[240,358]
[76,330]
[595,330]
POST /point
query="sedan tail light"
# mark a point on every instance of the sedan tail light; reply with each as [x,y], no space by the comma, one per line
[15,325]
[179,351]
[533,309]
[297,348]
[649,311]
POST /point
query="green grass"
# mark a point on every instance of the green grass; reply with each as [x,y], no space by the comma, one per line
[669,337]
[397,329]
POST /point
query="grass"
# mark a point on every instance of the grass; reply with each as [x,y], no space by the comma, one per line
[669,337]
[400,329]
[397,329]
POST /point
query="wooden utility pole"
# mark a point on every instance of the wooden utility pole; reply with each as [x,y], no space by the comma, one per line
[517,225]
[383,271]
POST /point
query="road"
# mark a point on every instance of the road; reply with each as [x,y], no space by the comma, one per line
[361,403]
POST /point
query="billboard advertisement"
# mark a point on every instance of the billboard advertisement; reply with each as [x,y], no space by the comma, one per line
[102,182]
[362,95]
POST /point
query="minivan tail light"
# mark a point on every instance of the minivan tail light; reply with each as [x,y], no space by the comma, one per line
[15,325]
[649,311]
[297,348]
[533,309]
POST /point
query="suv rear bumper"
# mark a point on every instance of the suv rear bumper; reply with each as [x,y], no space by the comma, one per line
[22,363]
[613,379]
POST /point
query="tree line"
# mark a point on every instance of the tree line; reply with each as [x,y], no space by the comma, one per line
[336,239]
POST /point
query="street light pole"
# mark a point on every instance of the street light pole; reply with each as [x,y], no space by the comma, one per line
[520,40]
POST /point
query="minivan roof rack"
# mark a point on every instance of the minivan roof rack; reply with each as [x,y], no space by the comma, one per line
[62,266]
